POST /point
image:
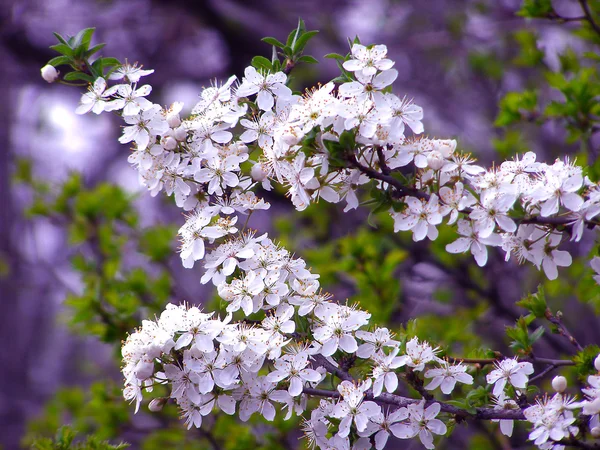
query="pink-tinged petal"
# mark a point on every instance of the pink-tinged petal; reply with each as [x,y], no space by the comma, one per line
[369,71]
[281,90]
[386,78]
[384,64]
[265,100]
[573,183]
[310,375]
[381,439]
[550,268]
[420,230]
[437,426]
[572,201]
[519,380]
[230,179]
[329,347]
[359,51]
[227,404]
[506,427]
[448,384]
[432,411]
[222,137]
[479,252]
[361,421]
[506,223]
[459,246]
[499,387]
[426,438]
[251,74]
[562,258]
[378,387]
[268,411]
[183,341]
[353,65]
[549,207]
[404,431]
[295,388]
[344,427]
[351,89]
[348,343]
[391,382]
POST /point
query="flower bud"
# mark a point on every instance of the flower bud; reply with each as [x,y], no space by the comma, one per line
[173,119]
[289,138]
[157,404]
[559,384]
[49,73]
[435,160]
[180,133]
[597,363]
[258,172]
[595,432]
[169,143]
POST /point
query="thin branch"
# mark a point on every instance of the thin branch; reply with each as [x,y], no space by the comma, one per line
[397,400]
[486,361]
[562,329]
[588,15]
[404,190]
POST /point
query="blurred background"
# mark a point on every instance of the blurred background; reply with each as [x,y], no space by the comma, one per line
[456,58]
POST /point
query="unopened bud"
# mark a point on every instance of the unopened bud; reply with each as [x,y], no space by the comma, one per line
[173,120]
[180,133]
[290,138]
[157,404]
[49,73]
[559,384]
[169,143]
[597,363]
[435,160]
[595,432]
[258,172]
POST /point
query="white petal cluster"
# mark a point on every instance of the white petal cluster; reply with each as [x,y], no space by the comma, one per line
[325,145]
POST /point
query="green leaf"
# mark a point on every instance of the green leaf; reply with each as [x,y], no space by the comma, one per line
[335,56]
[60,61]
[84,37]
[73,76]
[63,49]
[94,49]
[273,41]
[514,105]
[535,303]
[157,242]
[262,64]
[302,40]
[60,38]
[308,59]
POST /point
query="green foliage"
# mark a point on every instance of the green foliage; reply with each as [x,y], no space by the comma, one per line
[487,64]
[521,339]
[536,9]
[99,411]
[529,53]
[515,106]
[584,360]
[535,303]
[75,52]
[65,440]
[292,51]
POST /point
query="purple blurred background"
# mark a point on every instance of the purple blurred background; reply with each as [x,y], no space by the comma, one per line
[189,43]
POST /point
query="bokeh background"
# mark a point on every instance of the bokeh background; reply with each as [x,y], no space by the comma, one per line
[456,58]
